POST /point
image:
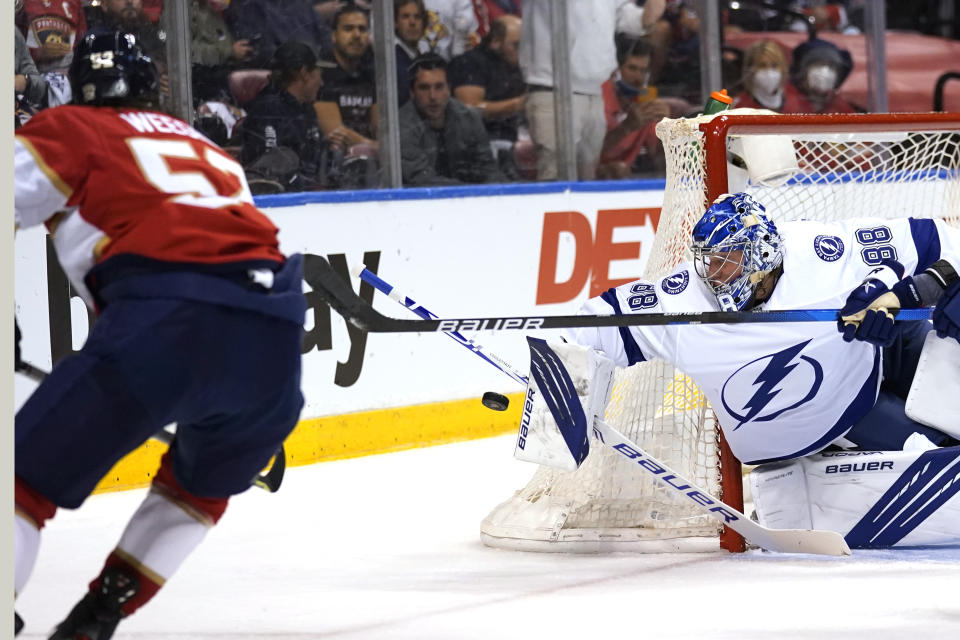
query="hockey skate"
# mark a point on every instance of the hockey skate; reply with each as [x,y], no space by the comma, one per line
[97,615]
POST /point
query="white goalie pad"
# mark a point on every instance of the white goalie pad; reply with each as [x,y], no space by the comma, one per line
[569,386]
[934,398]
[876,499]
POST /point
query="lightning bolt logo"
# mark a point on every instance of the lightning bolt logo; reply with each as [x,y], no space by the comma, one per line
[768,384]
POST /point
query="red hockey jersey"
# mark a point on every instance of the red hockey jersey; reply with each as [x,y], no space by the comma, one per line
[135,182]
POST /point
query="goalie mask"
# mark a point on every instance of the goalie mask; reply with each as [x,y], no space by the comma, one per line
[110,68]
[734,246]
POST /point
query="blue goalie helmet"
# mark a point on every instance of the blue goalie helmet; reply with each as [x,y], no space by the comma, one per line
[110,68]
[734,246]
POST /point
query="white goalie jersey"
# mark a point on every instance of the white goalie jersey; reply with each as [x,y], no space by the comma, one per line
[782,390]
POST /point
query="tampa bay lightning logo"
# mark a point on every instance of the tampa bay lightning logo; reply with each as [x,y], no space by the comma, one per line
[676,283]
[763,389]
[828,248]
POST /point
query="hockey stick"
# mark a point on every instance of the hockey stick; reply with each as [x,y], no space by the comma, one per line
[269,480]
[384,287]
[344,300]
[782,540]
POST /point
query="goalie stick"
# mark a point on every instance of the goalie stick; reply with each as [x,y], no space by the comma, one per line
[782,540]
[344,300]
[269,480]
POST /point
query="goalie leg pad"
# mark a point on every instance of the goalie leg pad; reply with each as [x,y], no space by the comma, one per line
[569,387]
[934,398]
[877,499]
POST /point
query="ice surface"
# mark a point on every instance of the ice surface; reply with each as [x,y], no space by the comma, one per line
[387,547]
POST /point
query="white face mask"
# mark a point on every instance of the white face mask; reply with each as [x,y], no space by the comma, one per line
[767,80]
[821,78]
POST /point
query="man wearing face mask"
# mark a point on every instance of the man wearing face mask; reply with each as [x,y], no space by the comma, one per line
[632,110]
[819,68]
[764,80]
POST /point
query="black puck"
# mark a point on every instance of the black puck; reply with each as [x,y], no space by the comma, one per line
[495,401]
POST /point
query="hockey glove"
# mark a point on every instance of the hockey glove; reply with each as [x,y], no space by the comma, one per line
[946,316]
[870,308]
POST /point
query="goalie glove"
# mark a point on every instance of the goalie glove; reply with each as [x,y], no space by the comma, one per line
[569,388]
[870,308]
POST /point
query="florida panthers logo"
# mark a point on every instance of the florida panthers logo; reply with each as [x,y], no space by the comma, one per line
[676,283]
[828,248]
[771,385]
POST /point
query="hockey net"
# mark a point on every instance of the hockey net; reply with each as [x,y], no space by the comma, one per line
[812,167]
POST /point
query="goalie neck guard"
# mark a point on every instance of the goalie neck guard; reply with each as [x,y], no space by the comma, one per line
[734,246]
[110,68]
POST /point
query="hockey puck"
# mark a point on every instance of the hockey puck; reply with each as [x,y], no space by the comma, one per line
[495,401]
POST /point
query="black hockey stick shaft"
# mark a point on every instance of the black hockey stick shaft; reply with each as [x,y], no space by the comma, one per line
[339,294]
[268,480]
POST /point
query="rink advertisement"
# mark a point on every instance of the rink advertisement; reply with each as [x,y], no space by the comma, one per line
[529,250]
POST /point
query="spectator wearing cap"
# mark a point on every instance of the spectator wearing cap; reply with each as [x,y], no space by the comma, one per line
[347,105]
[442,141]
[282,114]
[409,23]
[819,68]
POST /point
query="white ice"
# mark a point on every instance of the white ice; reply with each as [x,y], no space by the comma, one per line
[387,547]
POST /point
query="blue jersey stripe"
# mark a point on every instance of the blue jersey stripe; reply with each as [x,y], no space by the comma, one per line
[927,240]
[630,346]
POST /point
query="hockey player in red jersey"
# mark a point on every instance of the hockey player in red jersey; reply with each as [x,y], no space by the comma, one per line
[200,323]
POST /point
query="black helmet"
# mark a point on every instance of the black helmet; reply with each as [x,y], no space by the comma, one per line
[110,67]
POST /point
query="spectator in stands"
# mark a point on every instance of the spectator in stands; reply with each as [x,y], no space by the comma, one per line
[675,38]
[489,10]
[129,16]
[214,53]
[592,59]
[451,27]
[632,112]
[211,42]
[51,30]
[281,123]
[827,17]
[442,141]
[27,82]
[267,24]
[409,23]
[765,80]
[346,106]
[488,78]
[819,68]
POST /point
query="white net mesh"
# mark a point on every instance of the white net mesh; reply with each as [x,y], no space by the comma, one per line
[610,505]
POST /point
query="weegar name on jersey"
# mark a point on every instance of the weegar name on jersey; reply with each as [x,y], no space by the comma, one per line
[149,122]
